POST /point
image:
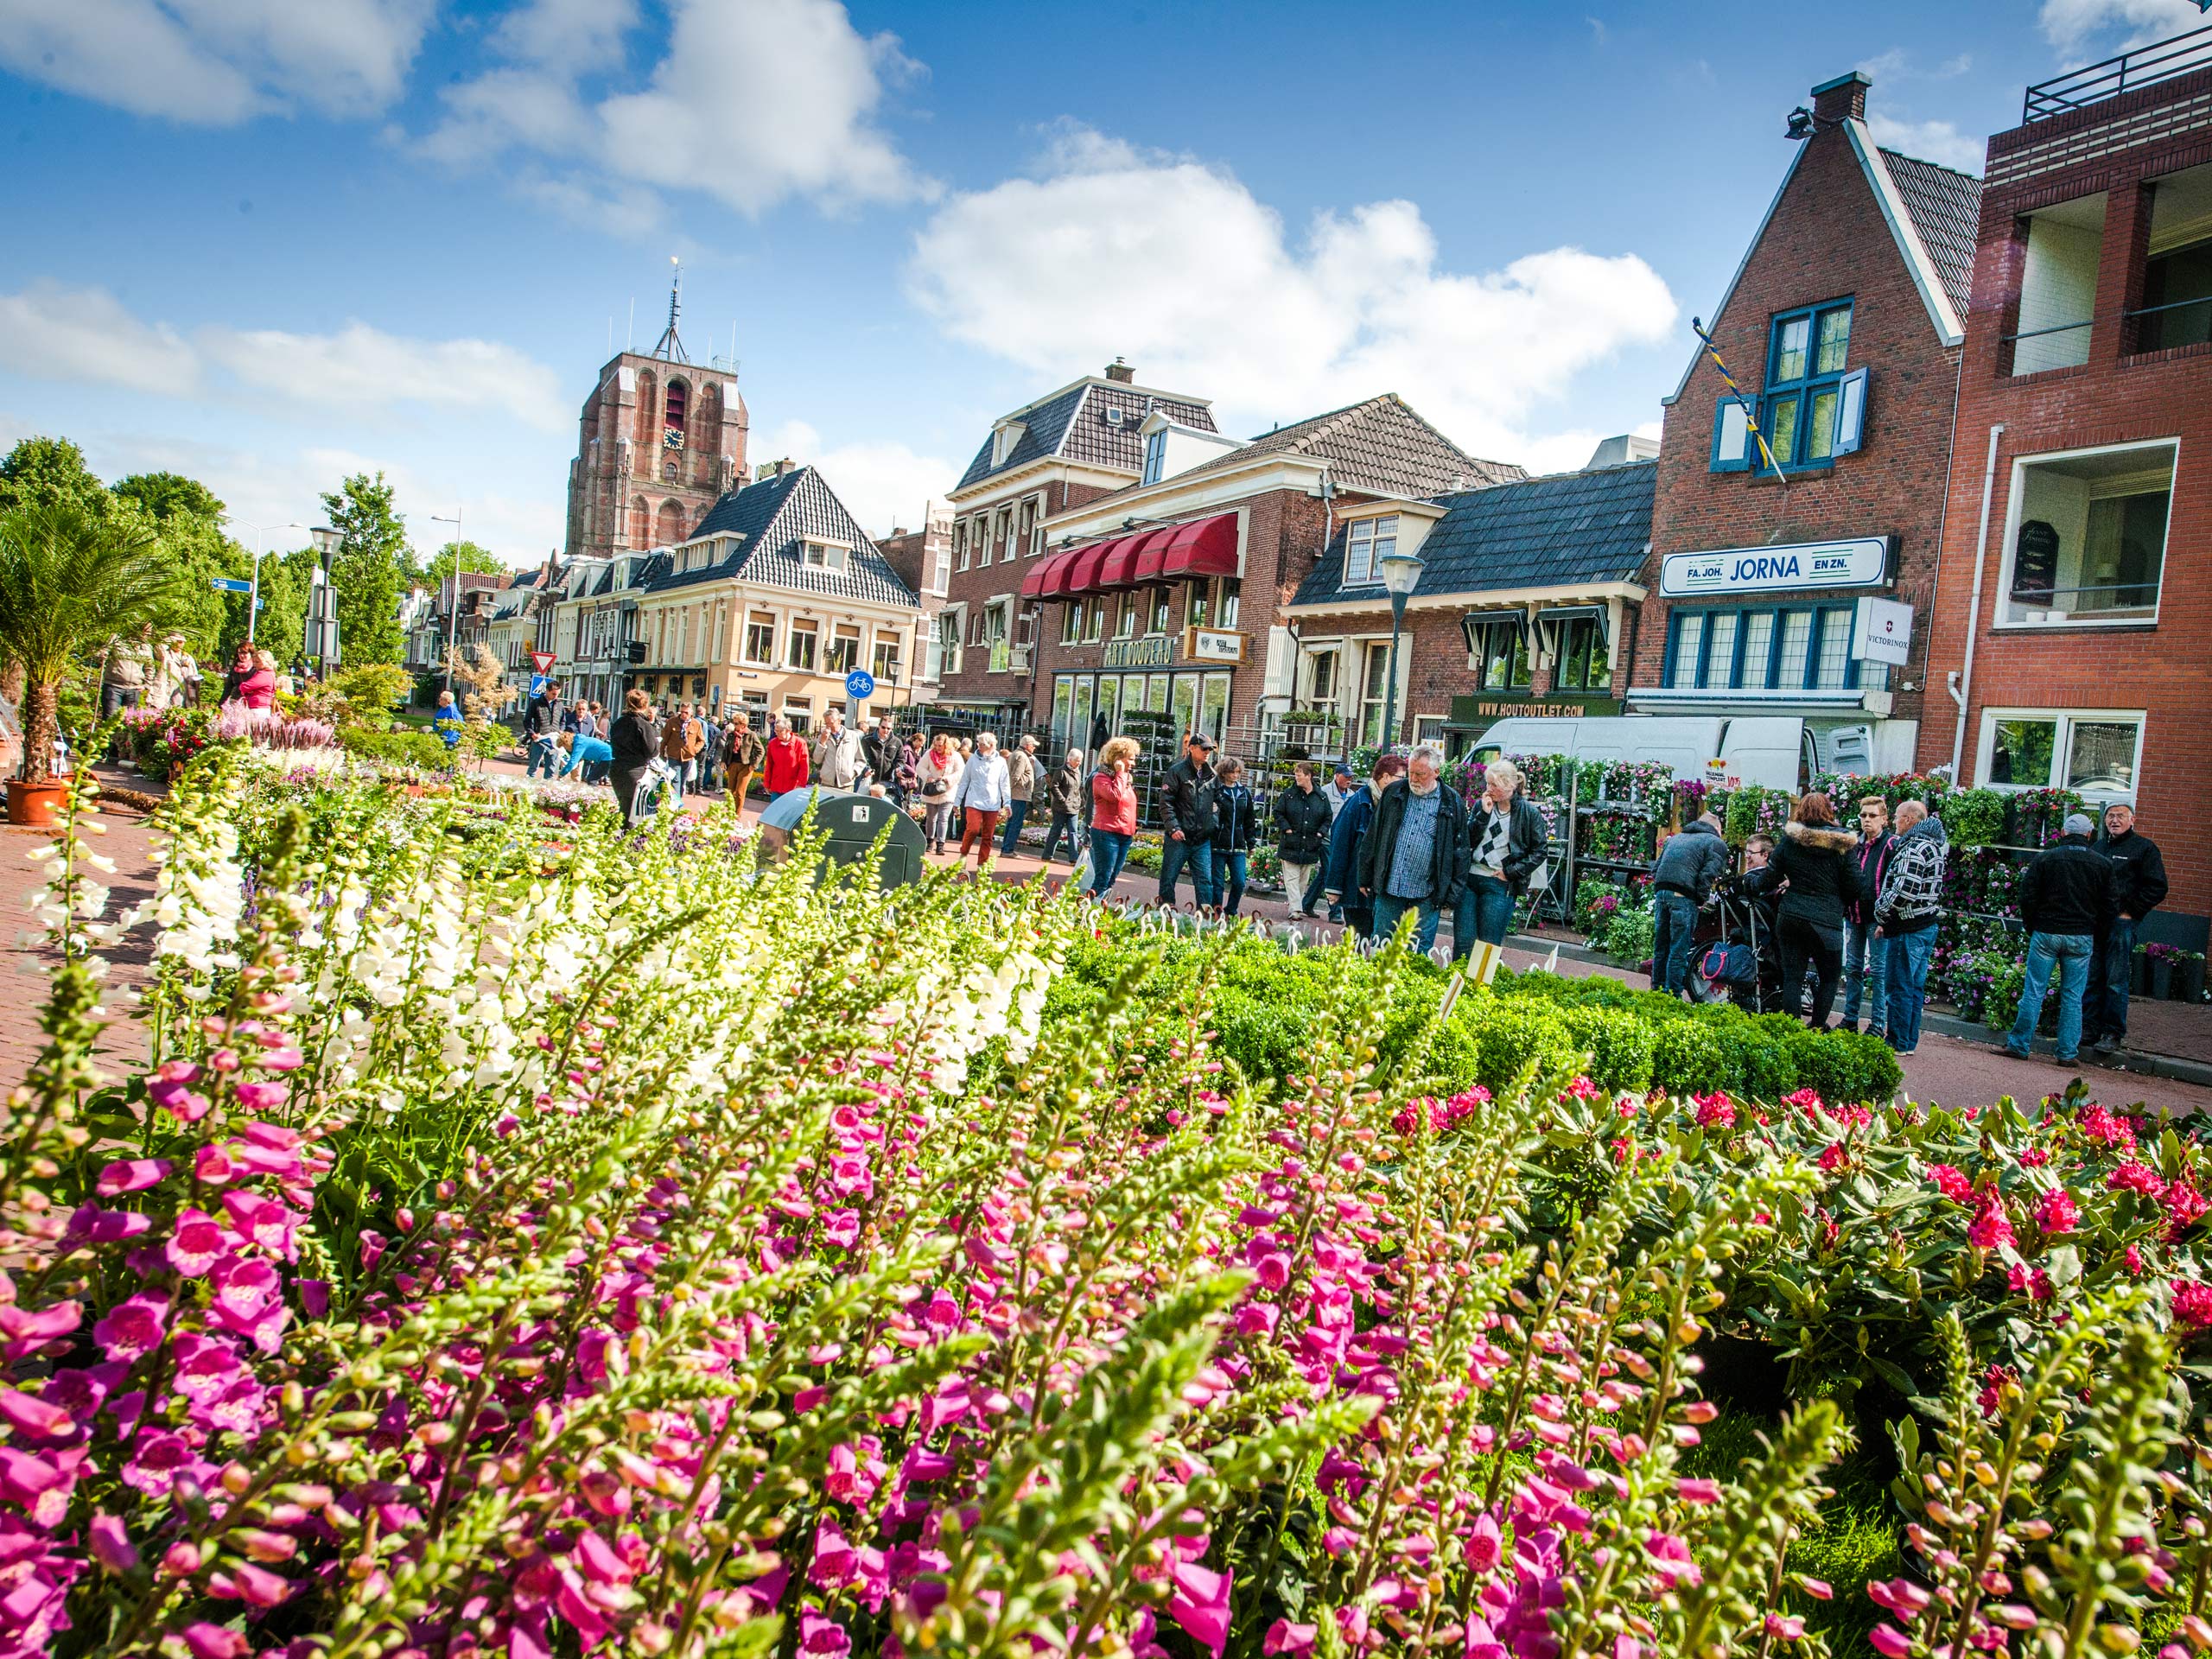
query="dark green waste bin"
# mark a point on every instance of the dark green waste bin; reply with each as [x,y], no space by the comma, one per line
[852,824]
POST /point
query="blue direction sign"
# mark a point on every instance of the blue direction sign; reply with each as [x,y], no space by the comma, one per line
[860,683]
[229,585]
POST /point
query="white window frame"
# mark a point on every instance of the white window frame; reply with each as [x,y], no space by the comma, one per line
[745,640]
[1362,568]
[1155,456]
[960,544]
[791,633]
[2016,504]
[1036,505]
[2062,746]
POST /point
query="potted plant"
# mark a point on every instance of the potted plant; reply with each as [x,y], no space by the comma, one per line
[2161,960]
[70,582]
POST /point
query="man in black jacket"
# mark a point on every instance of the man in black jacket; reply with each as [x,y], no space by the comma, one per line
[1186,796]
[879,750]
[1414,856]
[2139,884]
[2067,898]
[541,718]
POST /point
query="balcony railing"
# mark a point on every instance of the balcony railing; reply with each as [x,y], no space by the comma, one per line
[2145,66]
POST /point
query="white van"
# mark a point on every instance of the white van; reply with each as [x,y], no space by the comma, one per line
[1775,751]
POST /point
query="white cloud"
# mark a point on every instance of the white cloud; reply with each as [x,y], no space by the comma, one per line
[217,63]
[1931,141]
[52,333]
[2072,25]
[881,484]
[86,335]
[752,103]
[361,366]
[1178,267]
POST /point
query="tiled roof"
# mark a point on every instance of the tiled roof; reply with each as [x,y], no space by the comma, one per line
[1380,445]
[1945,209]
[1072,423]
[768,521]
[1538,533]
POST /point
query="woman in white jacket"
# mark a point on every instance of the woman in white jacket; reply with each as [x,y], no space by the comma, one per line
[937,779]
[983,797]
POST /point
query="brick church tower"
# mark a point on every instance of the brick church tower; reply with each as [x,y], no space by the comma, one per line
[660,439]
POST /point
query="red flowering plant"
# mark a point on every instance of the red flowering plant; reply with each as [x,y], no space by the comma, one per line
[634,1248]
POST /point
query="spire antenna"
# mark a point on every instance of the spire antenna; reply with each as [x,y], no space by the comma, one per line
[672,346]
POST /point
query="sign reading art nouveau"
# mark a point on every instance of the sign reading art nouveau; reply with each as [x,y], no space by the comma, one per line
[1732,572]
[1149,652]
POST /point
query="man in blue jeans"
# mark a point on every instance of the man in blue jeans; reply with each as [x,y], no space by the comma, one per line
[1906,908]
[1415,856]
[1188,816]
[1688,866]
[2140,880]
[2067,898]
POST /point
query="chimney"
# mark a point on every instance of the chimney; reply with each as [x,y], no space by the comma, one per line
[1843,99]
[786,465]
[1120,372]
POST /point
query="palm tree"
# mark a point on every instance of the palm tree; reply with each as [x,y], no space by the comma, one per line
[70,582]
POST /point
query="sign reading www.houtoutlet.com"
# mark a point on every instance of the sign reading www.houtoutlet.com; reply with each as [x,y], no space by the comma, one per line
[1862,562]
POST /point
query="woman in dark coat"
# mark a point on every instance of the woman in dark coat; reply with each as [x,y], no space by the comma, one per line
[1814,857]
[635,741]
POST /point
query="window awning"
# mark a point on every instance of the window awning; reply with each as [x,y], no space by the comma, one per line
[1201,547]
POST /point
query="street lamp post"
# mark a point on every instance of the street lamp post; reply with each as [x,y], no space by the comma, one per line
[253,595]
[453,611]
[1401,573]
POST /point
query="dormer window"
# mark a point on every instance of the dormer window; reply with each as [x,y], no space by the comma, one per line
[1367,541]
[820,555]
[1155,456]
[1004,437]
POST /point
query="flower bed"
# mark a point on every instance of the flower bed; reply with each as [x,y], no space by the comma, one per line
[619,1248]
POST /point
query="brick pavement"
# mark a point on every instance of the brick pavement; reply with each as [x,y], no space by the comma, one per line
[1944,1070]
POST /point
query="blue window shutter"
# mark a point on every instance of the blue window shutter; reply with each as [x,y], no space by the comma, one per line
[1850,412]
[1731,438]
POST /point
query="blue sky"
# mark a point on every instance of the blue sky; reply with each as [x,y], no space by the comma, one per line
[275,242]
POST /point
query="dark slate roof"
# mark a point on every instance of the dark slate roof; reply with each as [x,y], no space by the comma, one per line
[768,520]
[1538,533]
[1071,423]
[1380,445]
[1945,209]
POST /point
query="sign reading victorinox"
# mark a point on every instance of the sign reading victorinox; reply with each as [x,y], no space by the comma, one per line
[1862,562]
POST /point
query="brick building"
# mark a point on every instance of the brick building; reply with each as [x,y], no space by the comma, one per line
[1527,604]
[1173,594]
[923,559]
[1843,328]
[2076,598]
[659,440]
[1069,446]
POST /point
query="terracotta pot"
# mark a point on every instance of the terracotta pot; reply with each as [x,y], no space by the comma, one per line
[37,804]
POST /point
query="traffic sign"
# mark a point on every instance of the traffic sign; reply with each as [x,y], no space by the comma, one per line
[229,585]
[542,661]
[860,683]
[538,682]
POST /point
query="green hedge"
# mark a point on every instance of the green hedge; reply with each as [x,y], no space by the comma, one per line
[1266,1000]
[405,747]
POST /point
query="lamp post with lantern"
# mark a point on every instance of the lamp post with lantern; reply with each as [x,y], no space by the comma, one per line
[1401,576]
[321,643]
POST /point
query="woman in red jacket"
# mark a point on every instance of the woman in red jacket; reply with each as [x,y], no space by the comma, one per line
[1113,813]
[785,766]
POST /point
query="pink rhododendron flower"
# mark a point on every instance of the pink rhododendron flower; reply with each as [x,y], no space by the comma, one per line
[1715,1111]
[2192,1303]
[1990,1229]
[2057,1213]
[1951,1182]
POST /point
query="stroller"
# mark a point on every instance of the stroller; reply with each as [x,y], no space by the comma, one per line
[1736,959]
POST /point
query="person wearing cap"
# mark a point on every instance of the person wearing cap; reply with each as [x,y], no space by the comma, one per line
[1188,814]
[2140,880]
[1341,787]
[2067,897]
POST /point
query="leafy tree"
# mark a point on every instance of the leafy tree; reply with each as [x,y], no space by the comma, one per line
[70,582]
[474,558]
[188,518]
[41,471]
[369,569]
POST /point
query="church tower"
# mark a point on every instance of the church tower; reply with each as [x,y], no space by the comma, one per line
[661,439]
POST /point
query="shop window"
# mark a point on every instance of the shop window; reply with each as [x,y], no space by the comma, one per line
[1582,665]
[2087,542]
[800,649]
[2092,753]
[1498,652]
[1213,708]
[1798,648]
[760,638]
[2058,285]
[1196,606]
[1367,541]
[1812,411]
[844,649]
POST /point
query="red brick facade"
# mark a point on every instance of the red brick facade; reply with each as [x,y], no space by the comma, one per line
[1827,238]
[631,488]
[2158,668]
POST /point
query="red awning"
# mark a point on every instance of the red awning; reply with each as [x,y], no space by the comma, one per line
[1204,547]
[1082,567]
[1119,567]
[1042,575]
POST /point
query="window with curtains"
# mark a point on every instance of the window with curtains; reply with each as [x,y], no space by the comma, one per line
[1799,408]
[1501,654]
[1582,664]
[1783,648]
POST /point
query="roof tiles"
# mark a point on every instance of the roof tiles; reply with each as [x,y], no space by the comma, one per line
[769,523]
[1945,209]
